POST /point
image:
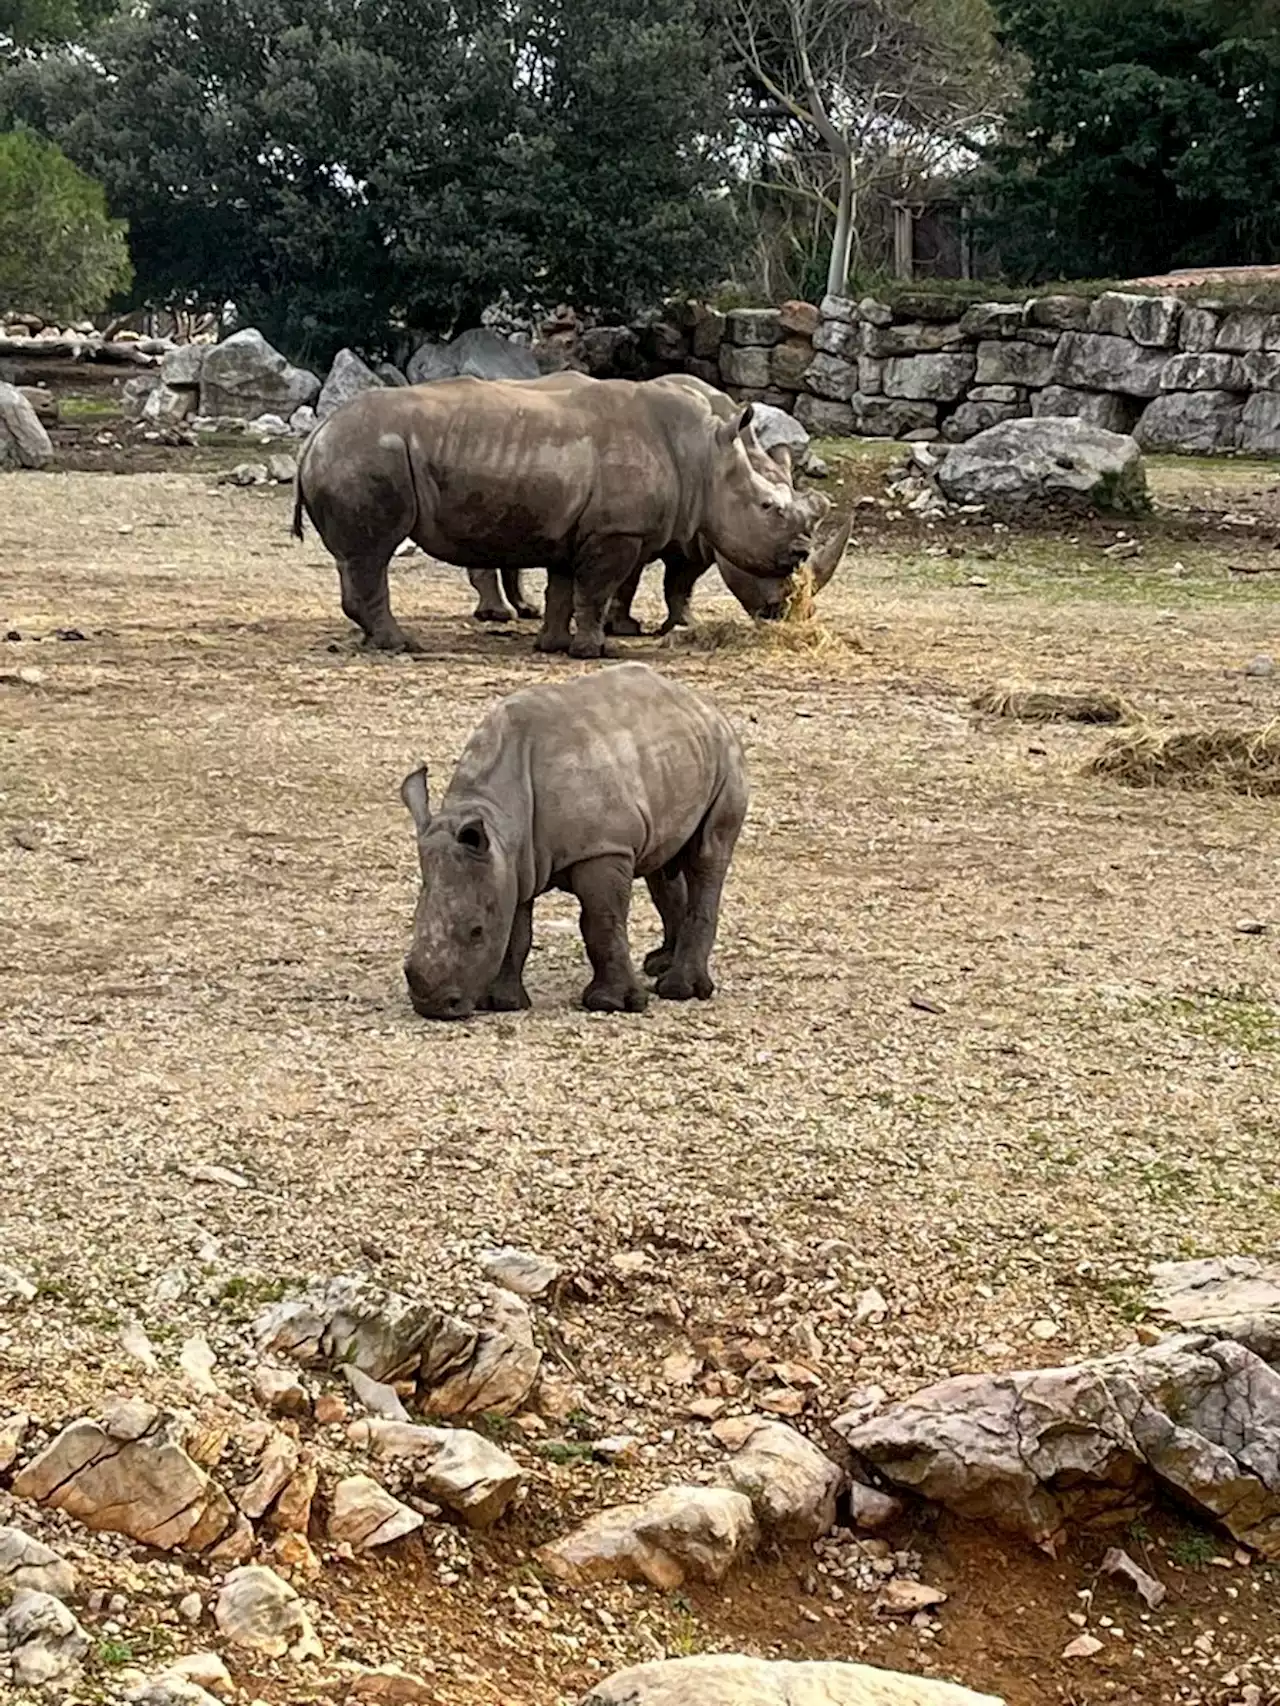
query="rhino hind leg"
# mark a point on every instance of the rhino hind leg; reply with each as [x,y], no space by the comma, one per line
[601,568]
[619,619]
[603,888]
[514,589]
[366,599]
[705,863]
[670,896]
[680,576]
[507,993]
[555,633]
[492,607]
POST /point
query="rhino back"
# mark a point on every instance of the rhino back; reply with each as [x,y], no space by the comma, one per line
[622,760]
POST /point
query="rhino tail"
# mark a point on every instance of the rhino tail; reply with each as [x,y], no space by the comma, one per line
[298,505]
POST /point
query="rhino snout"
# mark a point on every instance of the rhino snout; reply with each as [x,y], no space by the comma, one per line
[430,1001]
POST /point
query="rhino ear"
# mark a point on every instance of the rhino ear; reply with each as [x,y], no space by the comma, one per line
[413,791]
[737,426]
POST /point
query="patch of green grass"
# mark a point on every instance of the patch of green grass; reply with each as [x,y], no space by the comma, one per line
[1192,1548]
[564,1450]
[113,1652]
[89,408]
[243,1292]
[1237,1018]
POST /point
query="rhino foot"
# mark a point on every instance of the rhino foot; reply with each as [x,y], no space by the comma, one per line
[505,1001]
[488,613]
[625,626]
[658,962]
[550,643]
[581,646]
[601,998]
[393,640]
[679,986]
[528,612]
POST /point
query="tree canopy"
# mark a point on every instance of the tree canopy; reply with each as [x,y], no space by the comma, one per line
[338,167]
[1147,136]
[60,254]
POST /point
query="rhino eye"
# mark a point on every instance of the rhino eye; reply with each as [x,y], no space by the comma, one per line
[477,932]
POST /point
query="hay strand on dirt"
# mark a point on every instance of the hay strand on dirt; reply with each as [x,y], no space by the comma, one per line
[799,607]
[1237,761]
[1037,707]
[728,634]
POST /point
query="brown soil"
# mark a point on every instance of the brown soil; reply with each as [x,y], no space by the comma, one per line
[987,1038]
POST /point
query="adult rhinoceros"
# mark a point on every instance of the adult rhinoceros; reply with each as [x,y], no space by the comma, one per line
[589,481]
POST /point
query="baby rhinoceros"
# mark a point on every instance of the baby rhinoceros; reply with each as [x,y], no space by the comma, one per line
[582,785]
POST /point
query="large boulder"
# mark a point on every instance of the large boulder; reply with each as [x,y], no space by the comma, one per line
[1237,1297]
[44,1642]
[940,378]
[1036,1451]
[23,441]
[1051,459]
[792,1485]
[774,427]
[244,376]
[1191,420]
[347,378]
[681,1533]
[1099,408]
[463,1470]
[728,1679]
[485,354]
[1097,361]
[431,361]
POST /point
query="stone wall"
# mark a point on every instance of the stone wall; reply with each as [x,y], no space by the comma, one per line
[1179,376]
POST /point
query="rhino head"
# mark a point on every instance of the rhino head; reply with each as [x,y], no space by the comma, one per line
[466,905]
[766,597]
[752,515]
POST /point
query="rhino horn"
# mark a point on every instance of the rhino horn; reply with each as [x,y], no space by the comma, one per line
[415,794]
[827,551]
[781,454]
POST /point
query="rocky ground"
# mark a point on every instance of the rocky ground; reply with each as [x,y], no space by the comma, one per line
[990,1039]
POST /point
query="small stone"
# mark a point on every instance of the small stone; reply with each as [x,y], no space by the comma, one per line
[680,1533]
[13,1430]
[45,1643]
[209,1173]
[870,1305]
[280,1391]
[521,1271]
[1251,927]
[14,1288]
[901,1598]
[191,1608]
[617,1448]
[281,469]
[871,1509]
[259,1611]
[276,1468]
[706,1409]
[460,1468]
[782,1401]
[28,1563]
[1044,1329]
[388,1685]
[376,1397]
[330,1410]
[1083,1647]
[196,1360]
[1261,665]
[206,1670]
[681,1369]
[135,1343]
[365,1515]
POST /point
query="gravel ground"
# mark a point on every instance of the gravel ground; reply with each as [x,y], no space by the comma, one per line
[987,1038]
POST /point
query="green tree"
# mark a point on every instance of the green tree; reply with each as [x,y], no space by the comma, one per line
[29,24]
[337,168]
[60,253]
[1147,137]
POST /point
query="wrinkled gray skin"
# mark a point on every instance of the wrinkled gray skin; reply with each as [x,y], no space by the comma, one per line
[683,566]
[587,480]
[582,785]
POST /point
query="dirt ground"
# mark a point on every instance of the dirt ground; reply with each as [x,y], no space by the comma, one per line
[988,1038]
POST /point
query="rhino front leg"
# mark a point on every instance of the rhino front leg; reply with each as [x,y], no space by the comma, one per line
[603,888]
[507,993]
[706,864]
[366,599]
[514,589]
[555,634]
[600,569]
[491,607]
[670,896]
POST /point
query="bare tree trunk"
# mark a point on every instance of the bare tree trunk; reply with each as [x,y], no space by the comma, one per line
[842,238]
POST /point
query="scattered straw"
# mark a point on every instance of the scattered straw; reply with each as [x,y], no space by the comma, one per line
[799,607]
[1237,761]
[727,634]
[1054,707]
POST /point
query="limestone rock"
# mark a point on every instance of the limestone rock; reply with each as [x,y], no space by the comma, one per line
[366,1515]
[759,327]
[992,320]
[1034,1451]
[258,1610]
[28,1563]
[1062,313]
[302,421]
[281,468]
[1191,420]
[388,1685]
[23,441]
[1249,329]
[430,361]
[746,366]
[974,417]
[197,1361]
[348,1320]
[182,364]
[680,1533]
[276,1468]
[129,1475]
[521,1271]
[708,334]
[206,1670]
[792,1485]
[170,1690]
[774,427]
[1100,408]
[914,337]
[1052,459]
[1095,361]
[390,374]
[716,1679]
[165,405]
[13,1430]
[291,1513]
[929,378]
[460,1469]
[505,1313]
[244,376]
[1210,372]
[1014,362]
[280,1391]
[1260,424]
[486,1373]
[843,308]
[800,318]
[44,1642]
[891,417]
[485,354]
[1234,1297]
[834,337]
[347,378]
[1149,320]
[825,418]
[376,1397]
[789,363]
[871,1509]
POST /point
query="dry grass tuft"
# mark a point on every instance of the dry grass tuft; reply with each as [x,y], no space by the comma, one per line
[1036,707]
[1237,761]
[800,607]
[728,634]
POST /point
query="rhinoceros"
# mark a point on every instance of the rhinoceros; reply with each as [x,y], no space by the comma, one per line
[588,481]
[684,565]
[582,785]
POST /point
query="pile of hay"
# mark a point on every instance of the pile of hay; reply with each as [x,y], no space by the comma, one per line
[1034,707]
[1237,761]
[797,630]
